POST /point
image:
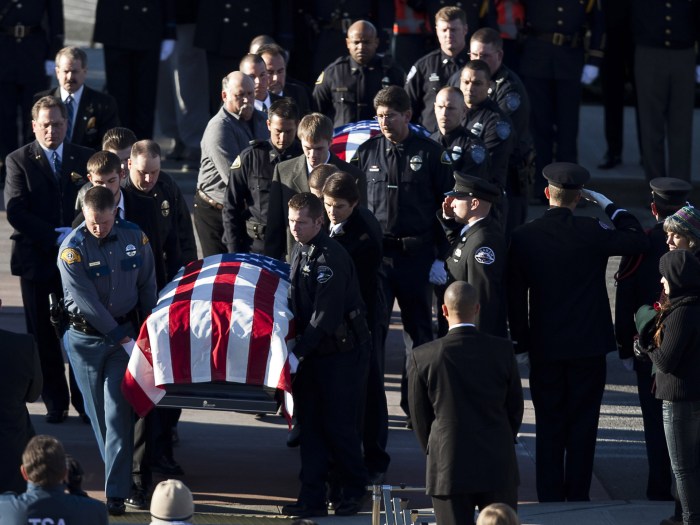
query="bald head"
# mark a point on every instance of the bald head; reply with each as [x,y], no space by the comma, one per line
[238,93]
[362,41]
[450,109]
[460,303]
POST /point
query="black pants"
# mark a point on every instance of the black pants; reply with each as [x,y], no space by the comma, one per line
[329,398]
[404,277]
[132,79]
[554,121]
[567,396]
[209,223]
[55,393]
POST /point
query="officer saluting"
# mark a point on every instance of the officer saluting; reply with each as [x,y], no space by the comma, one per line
[333,349]
[108,277]
[479,249]
[559,313]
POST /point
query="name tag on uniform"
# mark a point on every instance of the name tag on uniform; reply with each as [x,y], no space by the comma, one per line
[434,77]
[374,168]
[95,263]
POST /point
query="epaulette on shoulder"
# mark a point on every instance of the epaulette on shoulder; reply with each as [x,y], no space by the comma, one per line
[256,143]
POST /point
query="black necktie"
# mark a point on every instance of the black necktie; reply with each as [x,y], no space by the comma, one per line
[394,156]
[69,108]
[56,161]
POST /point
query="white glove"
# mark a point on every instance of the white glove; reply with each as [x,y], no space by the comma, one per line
[628,363]
[62,232]
[523,359]
[166,49]
[697,74]
[590,73]
[50,68]
[596,198]
[438,274]
[293,363]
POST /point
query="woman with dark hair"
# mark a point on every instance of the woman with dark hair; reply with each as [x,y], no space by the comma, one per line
[358,231]
[677,361]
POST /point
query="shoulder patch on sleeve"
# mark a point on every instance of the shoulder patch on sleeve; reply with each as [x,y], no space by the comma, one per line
[70,256]
[445,158]
[324,274]
[478,153]
[502,129]
[512,101]
[319,80]
[485,255]
[411,73]
[236,163]
[144,238]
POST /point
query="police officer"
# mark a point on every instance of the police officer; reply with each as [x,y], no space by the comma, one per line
[135,35]
[32,30]
[248,192]
[174,221]
[559,314]
[225,28]
[109,281]
[486,120]
[345,89]
[332,349]
[638,284]
[468,153]
[508,91]
[552,68]
[431,72]
[478,253]
[665,39]
[407,176]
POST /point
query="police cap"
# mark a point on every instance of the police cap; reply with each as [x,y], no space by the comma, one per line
[470,186]
[566,175]
[669,190]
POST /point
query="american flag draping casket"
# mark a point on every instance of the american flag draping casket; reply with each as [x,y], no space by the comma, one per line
[222,318]
[347,138]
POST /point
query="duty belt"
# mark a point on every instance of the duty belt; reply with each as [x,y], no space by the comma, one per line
[19,31]
[81,324]
[211,202]
[559,39]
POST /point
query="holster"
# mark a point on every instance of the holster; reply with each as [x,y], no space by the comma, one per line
[57,315]
[255,230]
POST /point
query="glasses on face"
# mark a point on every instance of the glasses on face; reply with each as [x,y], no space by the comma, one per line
[389,117]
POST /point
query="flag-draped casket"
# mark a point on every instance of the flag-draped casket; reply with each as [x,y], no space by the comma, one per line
[222,318]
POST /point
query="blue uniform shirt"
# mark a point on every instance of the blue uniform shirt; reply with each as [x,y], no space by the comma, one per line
[107,278]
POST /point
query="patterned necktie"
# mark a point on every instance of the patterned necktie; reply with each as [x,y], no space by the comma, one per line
[69,106]
[56,160]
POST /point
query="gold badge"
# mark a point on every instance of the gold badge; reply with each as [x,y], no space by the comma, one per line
[70,256]
[236,163]
[76,177]
[165,208]
[144,238]
[319,80]
[91,123]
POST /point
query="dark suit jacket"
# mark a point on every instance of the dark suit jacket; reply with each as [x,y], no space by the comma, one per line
[558,306]
[96,114]
[466,404]
[20,383]
[291,177]
[37,203]
[300,94]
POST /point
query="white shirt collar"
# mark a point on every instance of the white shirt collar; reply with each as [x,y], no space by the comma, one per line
[259,103]
[76,97]
[49,152]
[120,205]
[460,325]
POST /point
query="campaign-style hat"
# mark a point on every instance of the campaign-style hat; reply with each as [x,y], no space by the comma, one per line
[669,190]
[470,186]
[171,503]
[566,175]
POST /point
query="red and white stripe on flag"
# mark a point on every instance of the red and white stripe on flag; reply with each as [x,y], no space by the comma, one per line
[222,318]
